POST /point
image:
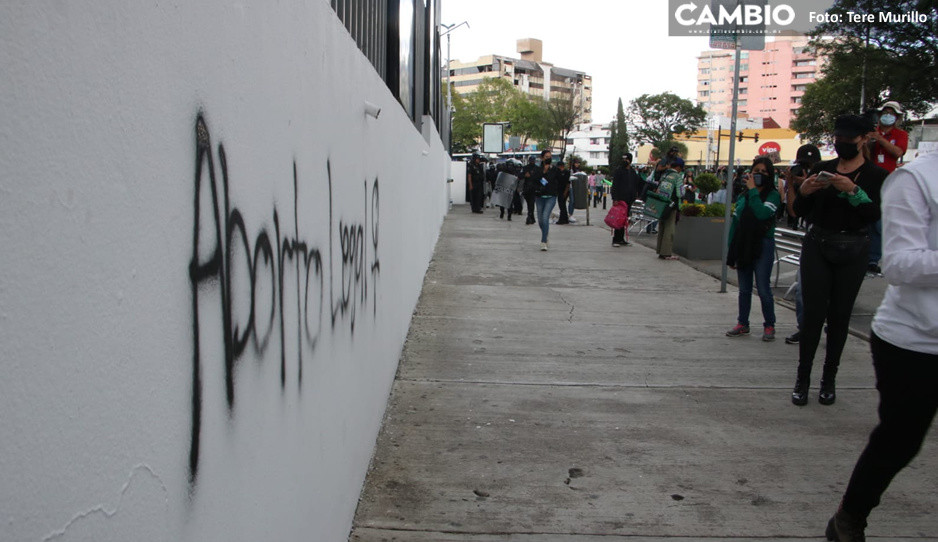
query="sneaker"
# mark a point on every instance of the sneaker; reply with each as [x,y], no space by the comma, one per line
[616,245]
[768,334]
[572,220]
[626,244]
[875,269]
[543,247]
[794,338]
[738,331]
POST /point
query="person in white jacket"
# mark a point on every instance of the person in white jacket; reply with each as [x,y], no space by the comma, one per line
[904,343]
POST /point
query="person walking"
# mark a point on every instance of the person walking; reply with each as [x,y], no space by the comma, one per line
[752,246]
[563,191]
[626,182]
[840,201]
[547,188]
[903,343]
[670,186]
[476,176]
[889,145]
[529,177]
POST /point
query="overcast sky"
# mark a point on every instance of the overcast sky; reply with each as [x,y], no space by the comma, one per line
[623,44]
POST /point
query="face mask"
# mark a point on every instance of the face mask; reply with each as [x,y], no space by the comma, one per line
[887,119]
[847,151]
[546,161]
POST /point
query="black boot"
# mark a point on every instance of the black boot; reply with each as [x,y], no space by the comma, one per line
[828,395]
[844,527]
[799,395]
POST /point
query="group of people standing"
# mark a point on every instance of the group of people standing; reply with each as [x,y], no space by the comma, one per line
[859,208]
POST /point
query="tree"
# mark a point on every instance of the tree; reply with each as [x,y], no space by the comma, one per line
[529,118]
[562,115]
[878,59]
[659,117]
[619,142]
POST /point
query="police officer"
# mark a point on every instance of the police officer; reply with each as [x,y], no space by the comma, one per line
[476,176]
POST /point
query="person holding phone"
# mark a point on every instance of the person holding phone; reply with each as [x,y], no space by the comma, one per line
[841,201]
[752,246]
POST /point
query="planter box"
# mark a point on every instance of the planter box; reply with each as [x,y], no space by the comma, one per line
[699,237]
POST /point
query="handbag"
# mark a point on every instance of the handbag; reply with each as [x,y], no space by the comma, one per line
[618,216]
[656,205]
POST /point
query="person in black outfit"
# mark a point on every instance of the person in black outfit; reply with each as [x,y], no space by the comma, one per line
[476,177]
[834,252]
[626,184]
[529,177]
[563,191]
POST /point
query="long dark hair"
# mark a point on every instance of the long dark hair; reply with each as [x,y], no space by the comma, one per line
[770,172]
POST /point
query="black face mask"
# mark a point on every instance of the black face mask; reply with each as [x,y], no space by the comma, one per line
[546,161]
[847,151]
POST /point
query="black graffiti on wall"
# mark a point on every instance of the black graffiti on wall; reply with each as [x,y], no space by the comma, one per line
[211,270]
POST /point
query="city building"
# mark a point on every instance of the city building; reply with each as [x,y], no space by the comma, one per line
[771,81]
[591,143]
[530,74]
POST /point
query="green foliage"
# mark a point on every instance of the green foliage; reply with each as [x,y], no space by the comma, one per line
[653,118]
[707,183]
[900,60]
[714,210]
[619,142]
[692,209]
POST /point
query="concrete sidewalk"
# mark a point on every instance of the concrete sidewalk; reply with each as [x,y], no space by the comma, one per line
[589,393]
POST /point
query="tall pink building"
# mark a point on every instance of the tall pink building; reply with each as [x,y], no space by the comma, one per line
[771,81]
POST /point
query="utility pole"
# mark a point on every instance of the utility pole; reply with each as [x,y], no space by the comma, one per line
[730,170]
[449,87]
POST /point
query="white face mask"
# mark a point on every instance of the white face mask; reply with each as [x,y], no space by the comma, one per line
[887,120]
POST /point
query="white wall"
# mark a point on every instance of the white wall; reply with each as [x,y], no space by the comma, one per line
[113,346]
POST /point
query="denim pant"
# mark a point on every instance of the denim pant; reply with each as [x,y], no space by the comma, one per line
[762,270]
[570,208]
[545,205]
[906,381]
[876,242]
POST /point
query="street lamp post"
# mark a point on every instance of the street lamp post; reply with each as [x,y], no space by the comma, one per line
[449,88]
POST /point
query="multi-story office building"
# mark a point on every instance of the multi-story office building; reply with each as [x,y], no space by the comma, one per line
[771,81]
[530,74]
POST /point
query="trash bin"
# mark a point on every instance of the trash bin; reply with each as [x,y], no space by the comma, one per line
[580,190]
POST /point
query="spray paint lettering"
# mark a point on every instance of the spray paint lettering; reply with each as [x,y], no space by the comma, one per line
[268,260]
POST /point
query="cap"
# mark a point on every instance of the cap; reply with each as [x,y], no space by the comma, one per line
[560,163]
[627,156]
[674,149]
[852,126]
[808,154]
[892,105]
[678,162]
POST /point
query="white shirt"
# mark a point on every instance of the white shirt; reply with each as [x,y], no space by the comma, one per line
[908,316]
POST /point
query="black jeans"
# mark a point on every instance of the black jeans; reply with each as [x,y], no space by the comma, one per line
[908,398]
[529,201]
[564,217]
[830,282]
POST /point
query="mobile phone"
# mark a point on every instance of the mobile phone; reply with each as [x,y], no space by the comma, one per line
[825,177]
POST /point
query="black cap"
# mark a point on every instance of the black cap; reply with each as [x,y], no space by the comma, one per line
[674,149]
[627,156]
[852,126]
[560,163]
[808,154]
[531,159]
